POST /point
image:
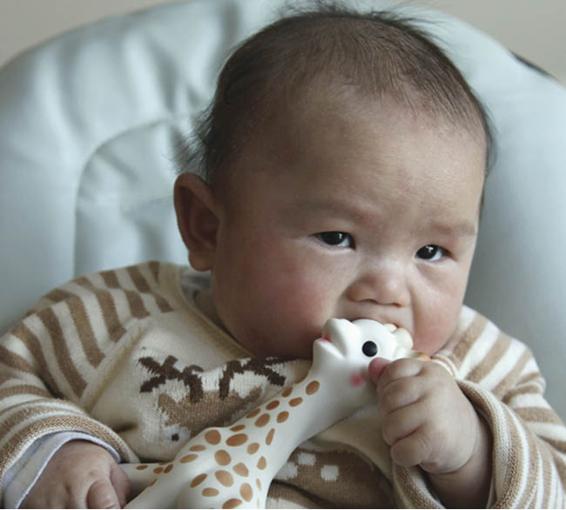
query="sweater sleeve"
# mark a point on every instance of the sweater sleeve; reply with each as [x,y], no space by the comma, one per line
[500,377]
[54,362]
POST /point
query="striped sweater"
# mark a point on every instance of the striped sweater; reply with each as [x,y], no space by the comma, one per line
[126,356]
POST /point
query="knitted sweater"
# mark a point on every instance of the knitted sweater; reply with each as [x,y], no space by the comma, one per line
[126,356]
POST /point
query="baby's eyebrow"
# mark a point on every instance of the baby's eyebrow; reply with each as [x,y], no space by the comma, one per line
[462,229]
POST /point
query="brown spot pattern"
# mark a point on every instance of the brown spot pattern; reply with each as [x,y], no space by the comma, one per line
[210,492]
[246,491]
[241,469]
[222,457]
[287,391]
[252,448]
[188,458]
[197,448]
[294,402]
[237,440]
[262,463]
[232,503]
[168,468]
[212,437]
[224,478]
[254,413]
[312,387]
[237,428]
[158,470]
[282,417]
[272,405]
[262,421]
[197,480]
[141,467]
[269,438]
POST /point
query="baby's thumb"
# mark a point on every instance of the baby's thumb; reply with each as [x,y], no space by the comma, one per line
[121,483]
[101,494]
[376,367]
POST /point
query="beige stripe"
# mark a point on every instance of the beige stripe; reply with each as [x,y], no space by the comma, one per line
[10,451]
[465,340]
[491,359]
[137,308]
[110,315]
[24,412]
[510,380]
[154,270]
[84,329]
[142,286]
[530,389]
[511,467]
[411,496]
[530,489]
[15,361]
[58,295]
[538,415]
[83,281]
[110,279]
[559,445]
[23,389]
[74,378]
[33,344]
[559,463]
[138,279]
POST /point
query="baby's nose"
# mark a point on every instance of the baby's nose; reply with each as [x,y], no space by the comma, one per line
[384,285]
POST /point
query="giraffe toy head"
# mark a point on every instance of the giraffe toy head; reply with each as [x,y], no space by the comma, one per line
[347,348]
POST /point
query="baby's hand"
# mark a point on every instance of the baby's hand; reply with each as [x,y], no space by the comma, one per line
[80,475]
[427,420]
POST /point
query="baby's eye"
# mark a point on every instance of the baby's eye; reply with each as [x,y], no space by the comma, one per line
[339,239]
[431,253]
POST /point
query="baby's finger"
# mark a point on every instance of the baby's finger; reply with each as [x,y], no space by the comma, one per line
[121,484]
[406,367]
[401,424]
[411,450]
[101,494]
[376,367]
[398,394]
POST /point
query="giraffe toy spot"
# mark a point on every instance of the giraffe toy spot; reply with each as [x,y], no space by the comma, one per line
[286,392]
[141,467]
[210,492]
[232,503]
[272,405]
[262,420]
[241,469]
[246,491]
[312,387]
[197,448]
[224,478]
[252,448]
[269,437]
[222,457]
[213,437]
[262,463]
[197,480]
[282,417]
[237,428]
[237,440]
[254,413]
[168,468]
[294,402]
[188,458]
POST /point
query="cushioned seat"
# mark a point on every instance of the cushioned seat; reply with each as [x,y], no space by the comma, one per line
[92,121]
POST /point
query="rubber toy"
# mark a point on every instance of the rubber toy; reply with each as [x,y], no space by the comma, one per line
[232,467]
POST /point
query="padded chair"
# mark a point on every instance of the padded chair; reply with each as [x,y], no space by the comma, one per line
[92,120]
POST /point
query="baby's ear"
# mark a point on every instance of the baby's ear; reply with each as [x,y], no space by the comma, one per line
[197,219]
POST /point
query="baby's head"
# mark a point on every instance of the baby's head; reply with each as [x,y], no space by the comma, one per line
[342,167]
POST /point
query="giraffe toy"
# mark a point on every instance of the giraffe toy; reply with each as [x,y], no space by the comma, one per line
[232,467]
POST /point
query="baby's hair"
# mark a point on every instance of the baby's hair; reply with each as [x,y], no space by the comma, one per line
[377,54]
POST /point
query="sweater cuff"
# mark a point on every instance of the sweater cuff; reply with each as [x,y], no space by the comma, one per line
[21,477]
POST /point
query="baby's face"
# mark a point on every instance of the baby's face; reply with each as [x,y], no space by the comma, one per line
[331,213]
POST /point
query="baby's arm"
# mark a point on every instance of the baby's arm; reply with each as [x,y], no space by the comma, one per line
[44,372]
[80,475]
[526,440]
[428,422]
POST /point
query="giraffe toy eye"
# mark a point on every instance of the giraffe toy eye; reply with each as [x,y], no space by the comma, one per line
[369,349]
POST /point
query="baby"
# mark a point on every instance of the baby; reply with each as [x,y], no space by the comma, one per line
[342,165]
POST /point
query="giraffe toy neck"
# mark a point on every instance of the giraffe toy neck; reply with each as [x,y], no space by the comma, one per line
[228,467]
